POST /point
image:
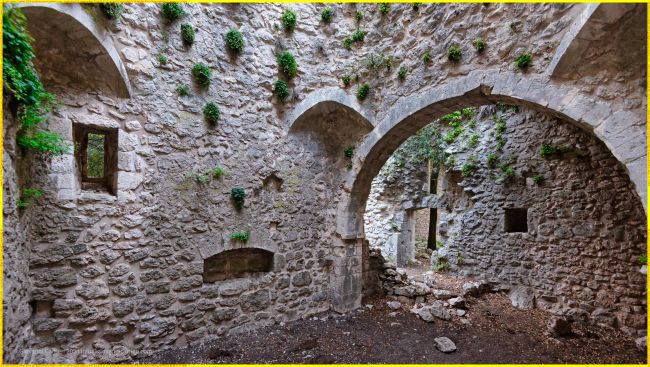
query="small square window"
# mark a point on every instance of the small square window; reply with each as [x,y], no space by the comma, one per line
[516,220]
[96,155]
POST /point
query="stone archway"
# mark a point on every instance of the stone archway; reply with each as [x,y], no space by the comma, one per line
[621,131]
[64,32]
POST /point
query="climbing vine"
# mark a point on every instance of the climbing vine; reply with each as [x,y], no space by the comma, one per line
[20,78]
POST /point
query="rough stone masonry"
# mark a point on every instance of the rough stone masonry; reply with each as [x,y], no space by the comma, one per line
[107,277]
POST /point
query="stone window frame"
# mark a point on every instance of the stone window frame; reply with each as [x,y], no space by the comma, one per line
[108,182]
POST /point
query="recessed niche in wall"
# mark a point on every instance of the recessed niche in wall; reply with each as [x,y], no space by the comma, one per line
[96,155]
[237,263]
[516,220]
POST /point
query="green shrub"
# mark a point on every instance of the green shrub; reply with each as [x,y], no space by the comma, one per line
[508,171]
[202,74]
[442,264]
[288,20]
[346,80]
[282,90]
[473,140]
[537,179]
[491,160]
[362,92]
[358,15]
[44,142]
[240,236]
[235,41]
[642,259]
[523,61]
[388,62]
[500,126]
[327,14]
[479,45]
[468,112]
[349,152]
[288,64]
[162,59]
[453,134]
[394,227]
[187,33]
[238,196]
[172,11]
[218,172]
[426,57]
[183,90]
[211,112]
[401,74]
[111,10]
[384,8]
[454,54]
[416,6]
[358,36]
[451,161]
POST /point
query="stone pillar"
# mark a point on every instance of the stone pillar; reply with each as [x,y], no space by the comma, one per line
[347,278]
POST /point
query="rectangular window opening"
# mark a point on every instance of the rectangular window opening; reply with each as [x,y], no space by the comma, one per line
[516,220]
[96,155]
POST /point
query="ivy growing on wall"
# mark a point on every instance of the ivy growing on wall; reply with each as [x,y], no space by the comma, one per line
[111,10]
[21,80]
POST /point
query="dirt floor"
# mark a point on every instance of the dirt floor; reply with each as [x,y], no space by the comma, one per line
[491,332]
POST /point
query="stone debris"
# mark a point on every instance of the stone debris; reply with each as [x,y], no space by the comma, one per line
[445,344]
[558,326]
[457,302]
[523,298]
[427,312]
[394,305]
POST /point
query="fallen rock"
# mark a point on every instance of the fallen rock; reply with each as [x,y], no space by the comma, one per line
[428,312]
[523,298]
[394,305]
[461,313]
[445,344]
[442,294]
[641,342]
[457,302]
[558,326]
[475,289]
[423,313]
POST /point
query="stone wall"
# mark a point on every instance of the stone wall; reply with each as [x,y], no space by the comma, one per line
[585,225]
[122,275]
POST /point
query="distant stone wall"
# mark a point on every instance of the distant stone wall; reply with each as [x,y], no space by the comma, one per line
[585,225]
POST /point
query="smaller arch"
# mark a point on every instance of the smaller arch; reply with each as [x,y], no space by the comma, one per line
[326,102]
[94,51]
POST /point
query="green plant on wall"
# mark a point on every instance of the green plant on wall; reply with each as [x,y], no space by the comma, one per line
[454,53]
[537,179]
[238,196]
[358,36]
[401,74]
[416,6]
[282,90]
[479,45]
[524,61]
[288,64]
[26,196]
[548,150]
[384,8]
[642,259]
[111,10]
[183,90]
[289,20]
[21,80]
[363,91]
[202,179]
[358,16]
[218,172]
[211,112]
[473,140]
[346,79]
[469,166]
[327,14]
[491,160]
[202,74]
[242,236]
[162,59]
[426,57]
[172,11]
[348,152]
[235,41]
[187,34]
